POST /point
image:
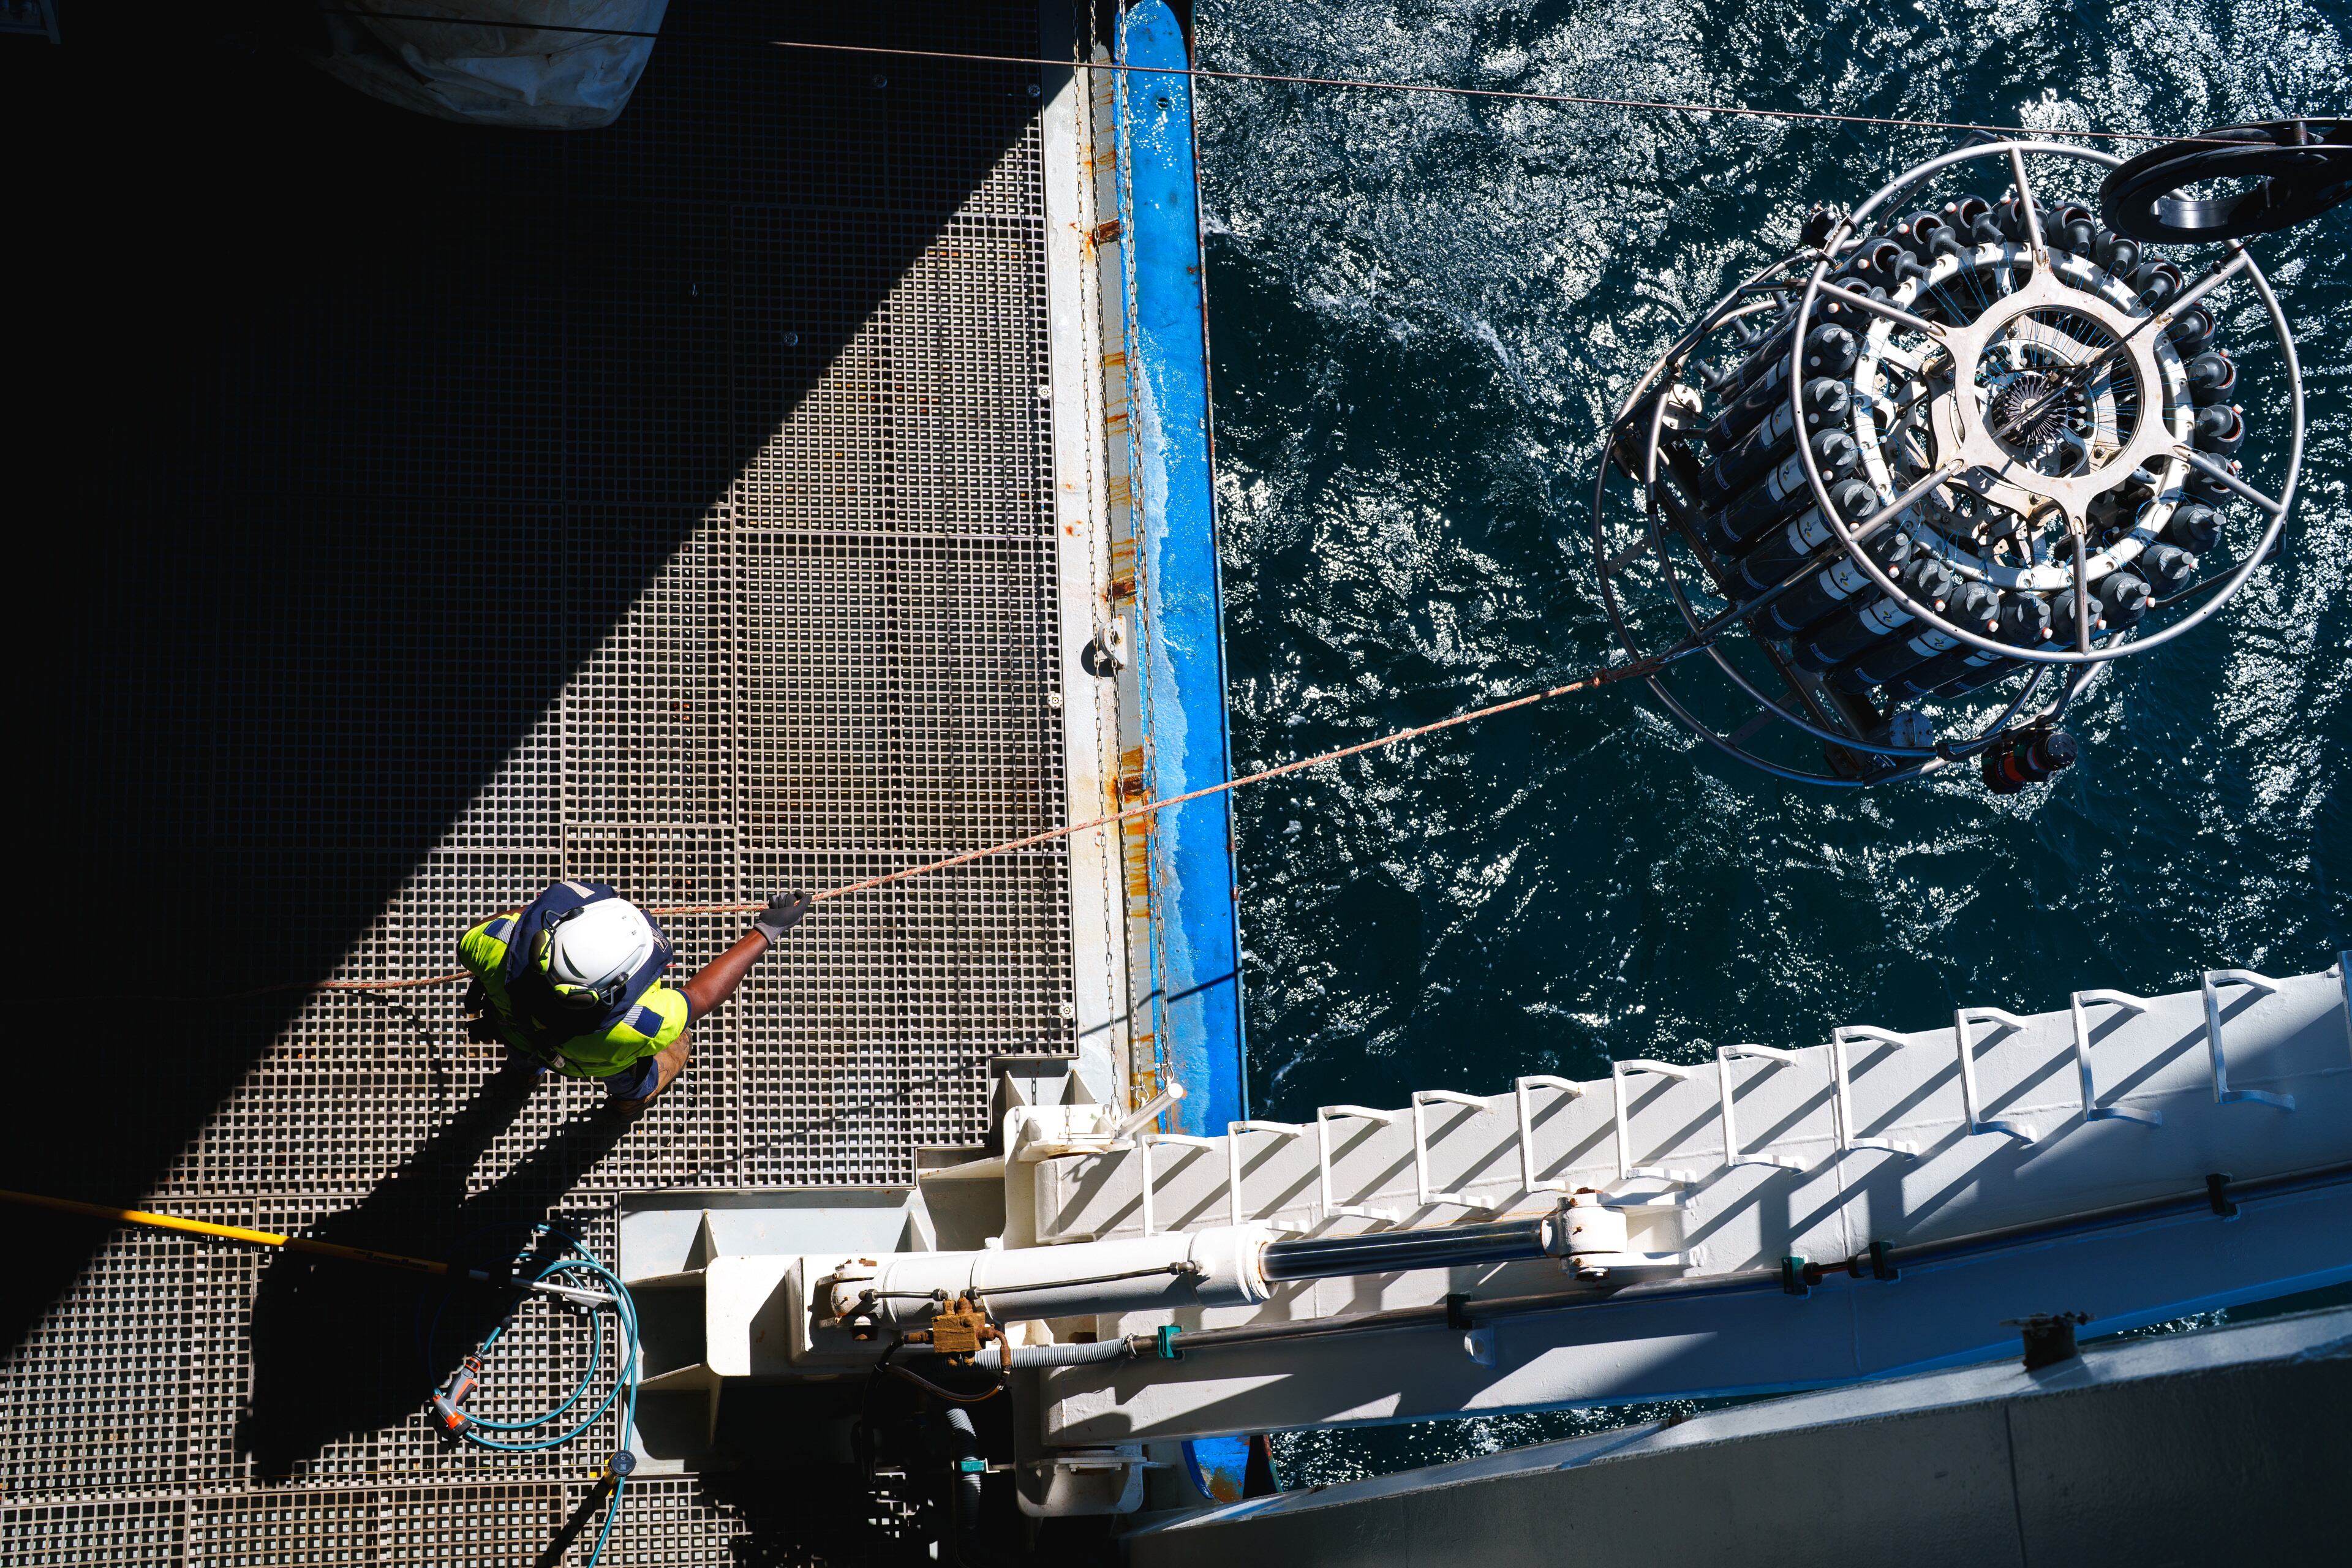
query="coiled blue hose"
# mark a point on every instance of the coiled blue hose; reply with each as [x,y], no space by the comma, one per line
[586,1269]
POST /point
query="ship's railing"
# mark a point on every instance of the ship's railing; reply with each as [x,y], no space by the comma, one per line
[1938,1106]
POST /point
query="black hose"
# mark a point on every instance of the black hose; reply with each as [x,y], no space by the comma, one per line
[963,1485]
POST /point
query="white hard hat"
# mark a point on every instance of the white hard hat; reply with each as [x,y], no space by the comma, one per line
[603,942]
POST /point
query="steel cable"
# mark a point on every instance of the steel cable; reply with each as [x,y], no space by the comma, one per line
[1662,106]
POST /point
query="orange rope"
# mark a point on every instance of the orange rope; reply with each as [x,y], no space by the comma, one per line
[284,985]
[1597,678]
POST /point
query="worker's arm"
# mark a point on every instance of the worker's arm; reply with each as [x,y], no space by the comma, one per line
[716,980]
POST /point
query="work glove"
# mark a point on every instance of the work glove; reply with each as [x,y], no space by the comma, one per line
[784,912]
[481,1022]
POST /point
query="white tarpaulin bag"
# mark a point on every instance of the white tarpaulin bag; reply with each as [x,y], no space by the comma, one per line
[494,63]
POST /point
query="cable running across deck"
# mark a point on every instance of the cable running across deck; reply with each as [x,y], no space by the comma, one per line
[1515,95]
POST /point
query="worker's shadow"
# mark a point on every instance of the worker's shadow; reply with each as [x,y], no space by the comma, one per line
[342,499]
[339,1349]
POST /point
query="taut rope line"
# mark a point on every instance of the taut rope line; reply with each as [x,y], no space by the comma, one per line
[1515,95]
[1590,682]
[1597,678]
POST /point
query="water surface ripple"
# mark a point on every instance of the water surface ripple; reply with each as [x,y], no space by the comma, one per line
[1424,310]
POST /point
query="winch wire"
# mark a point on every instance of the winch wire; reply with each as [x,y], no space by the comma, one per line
[1652,105]
[1513,95]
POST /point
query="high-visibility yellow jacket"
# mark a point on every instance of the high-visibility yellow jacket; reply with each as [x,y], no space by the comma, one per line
[658,1017]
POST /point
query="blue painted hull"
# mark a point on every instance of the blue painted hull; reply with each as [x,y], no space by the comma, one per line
[1196,980]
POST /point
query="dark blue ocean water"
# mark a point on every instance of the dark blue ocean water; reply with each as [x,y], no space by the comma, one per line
[1423,313]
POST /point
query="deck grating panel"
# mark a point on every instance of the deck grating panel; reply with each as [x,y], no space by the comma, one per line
[688,527]
[145,1532]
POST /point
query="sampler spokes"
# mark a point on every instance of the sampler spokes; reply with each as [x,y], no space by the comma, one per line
[1937,464]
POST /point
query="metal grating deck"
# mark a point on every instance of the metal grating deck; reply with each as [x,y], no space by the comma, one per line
[669,505]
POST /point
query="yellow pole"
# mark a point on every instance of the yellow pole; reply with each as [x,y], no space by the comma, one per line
[294,1244]
[232,1233]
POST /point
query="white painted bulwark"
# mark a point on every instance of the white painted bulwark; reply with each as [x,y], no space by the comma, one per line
[1821,1233]
[2223,1447]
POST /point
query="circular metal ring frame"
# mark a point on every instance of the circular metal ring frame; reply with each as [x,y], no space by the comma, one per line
[1917,760]
[2117,647]
[2295,178]
[1921,760]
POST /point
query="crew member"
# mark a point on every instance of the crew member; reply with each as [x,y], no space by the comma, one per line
[574,983]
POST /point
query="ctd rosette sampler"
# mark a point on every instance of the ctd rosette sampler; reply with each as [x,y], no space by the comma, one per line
[1898,496]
